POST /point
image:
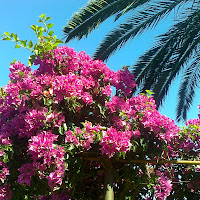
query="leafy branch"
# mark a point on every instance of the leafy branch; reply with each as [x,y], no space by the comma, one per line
[46,40]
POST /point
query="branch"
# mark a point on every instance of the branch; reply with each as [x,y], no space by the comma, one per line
[186,162]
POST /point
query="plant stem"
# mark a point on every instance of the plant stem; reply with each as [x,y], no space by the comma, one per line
[108,182]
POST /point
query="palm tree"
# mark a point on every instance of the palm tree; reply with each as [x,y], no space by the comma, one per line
[175,51]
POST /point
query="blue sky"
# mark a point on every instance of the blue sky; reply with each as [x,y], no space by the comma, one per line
[18,16]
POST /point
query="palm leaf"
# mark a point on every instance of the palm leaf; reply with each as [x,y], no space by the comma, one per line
[191,80]
[158,67]
[130,7]
[93,14]
[148,16]
[156,58]
[175,65]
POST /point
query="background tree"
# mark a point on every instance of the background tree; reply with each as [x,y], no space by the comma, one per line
[176,50]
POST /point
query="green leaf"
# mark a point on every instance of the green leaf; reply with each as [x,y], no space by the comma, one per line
[123,155]
[48,47]
[23,42]
[47,38]
[30,44]
[42,16]
[65,126]
[40,20]
[7,33]
[58,41]
[33,27]
[12,35]
[21,73]
[13,62]
[40,28]
[6,38]
[15,37]
[36,52]
[47,18]
[49,102]
[40,34]
[31,59]
[36,46]
[54,46]
[17,46]
[51,33]
[49,25]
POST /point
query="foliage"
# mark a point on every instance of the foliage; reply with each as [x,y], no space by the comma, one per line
[46,39]
[175,51]
[62,132]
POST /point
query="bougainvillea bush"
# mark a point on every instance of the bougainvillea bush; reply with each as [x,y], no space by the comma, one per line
[65,135]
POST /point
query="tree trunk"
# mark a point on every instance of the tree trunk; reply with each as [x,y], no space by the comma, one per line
[108,182]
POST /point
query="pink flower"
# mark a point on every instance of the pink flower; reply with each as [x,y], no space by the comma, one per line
[1,152]
[18,71]
[163,190]
[193,122]
[107,91]
[136,133]
[55,179]
[5,192]
[71,138]
[116,103]
[114,141]
[124,81]
[27,171]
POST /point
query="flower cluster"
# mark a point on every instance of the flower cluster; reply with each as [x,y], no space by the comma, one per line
[114,141]
[52,115]
[162,191]
[44,154]
[190,138]
[83,138]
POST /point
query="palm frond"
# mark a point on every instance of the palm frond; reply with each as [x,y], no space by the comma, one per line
[159,66]
[190,81]
[93,14]
[174,68]
[147,17]
[130,7]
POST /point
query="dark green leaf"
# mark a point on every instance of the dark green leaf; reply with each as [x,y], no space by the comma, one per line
[47,18]
[31,60]
[12,34]
[51,33]
[40,20]
[15,37]
[23,42]
[6,38]
[30,44]
[33,27]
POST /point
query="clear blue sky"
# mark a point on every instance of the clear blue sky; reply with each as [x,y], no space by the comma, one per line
[18,16]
